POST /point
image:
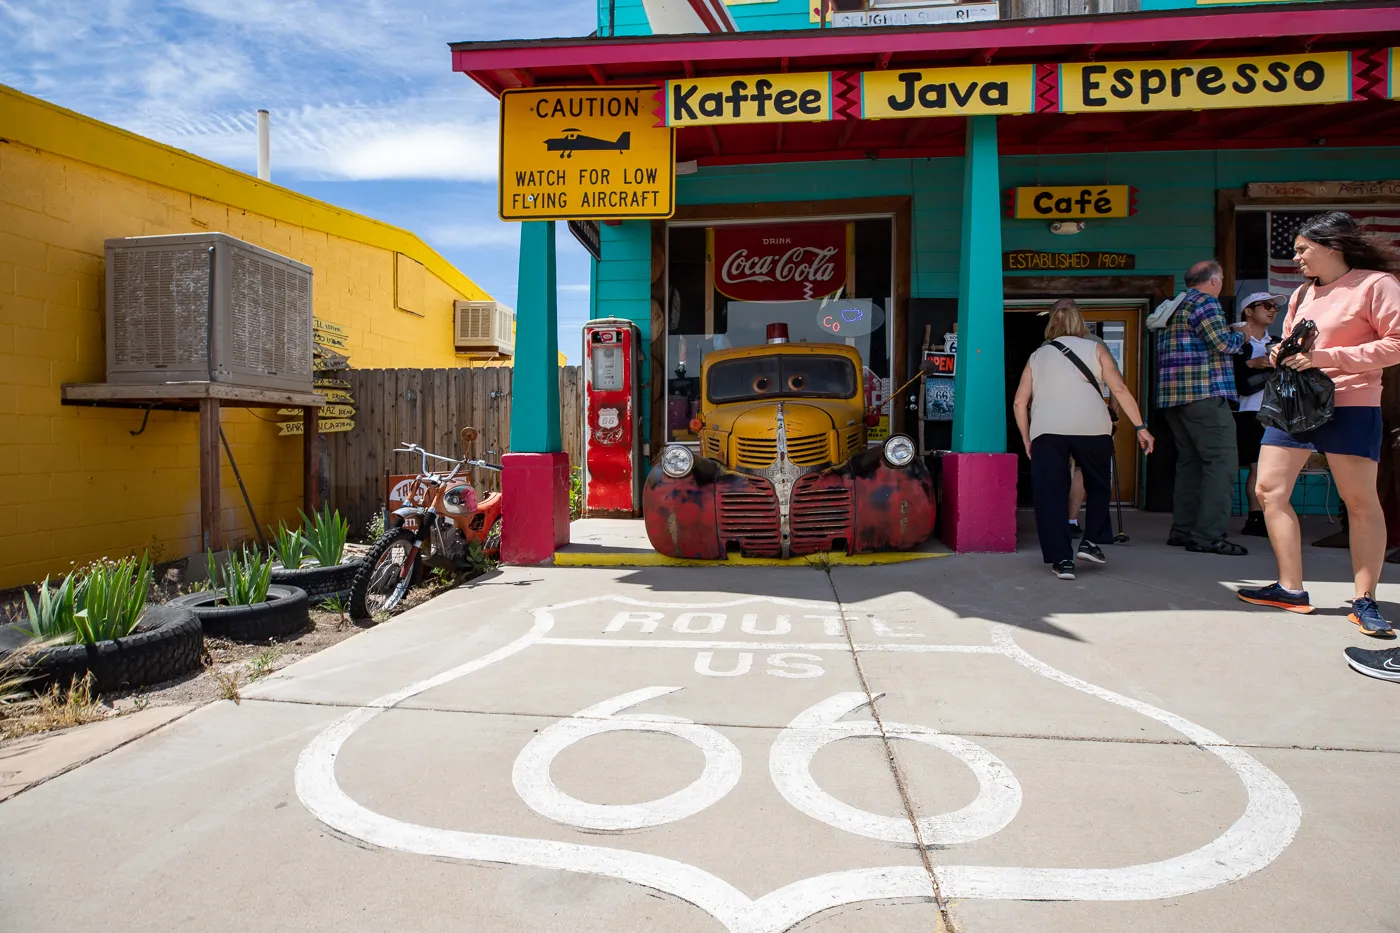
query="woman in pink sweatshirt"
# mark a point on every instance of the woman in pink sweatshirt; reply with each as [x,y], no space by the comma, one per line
[1354,299]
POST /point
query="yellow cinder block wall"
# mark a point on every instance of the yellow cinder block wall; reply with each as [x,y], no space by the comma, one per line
[77,483]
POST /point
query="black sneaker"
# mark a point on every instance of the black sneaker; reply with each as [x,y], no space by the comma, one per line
[1254,525]
[1219,546]
[1365,613]
[1064,569]
[1276,596]
[1091,552]
[1383,665]
[1177,539]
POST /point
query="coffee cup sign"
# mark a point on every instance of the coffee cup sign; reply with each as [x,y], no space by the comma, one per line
[783,262]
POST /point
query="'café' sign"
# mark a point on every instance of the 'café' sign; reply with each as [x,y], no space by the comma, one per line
[1072,202]
[780,262]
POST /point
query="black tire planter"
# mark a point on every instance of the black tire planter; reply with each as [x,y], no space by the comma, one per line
[285,612]
[320,583]
[166,644]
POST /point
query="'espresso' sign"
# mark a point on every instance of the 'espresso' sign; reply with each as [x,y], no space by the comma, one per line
[1206,84]
[782,262]
[777,98]
[1073,202]
[947,91]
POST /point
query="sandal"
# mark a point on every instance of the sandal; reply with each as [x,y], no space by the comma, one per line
[1218,546]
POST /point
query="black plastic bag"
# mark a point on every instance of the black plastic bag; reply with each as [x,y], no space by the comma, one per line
[1295,401]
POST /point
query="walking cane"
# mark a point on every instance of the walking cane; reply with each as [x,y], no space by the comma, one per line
[1119,538]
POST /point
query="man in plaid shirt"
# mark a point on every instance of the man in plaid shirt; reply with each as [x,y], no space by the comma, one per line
[1196,384]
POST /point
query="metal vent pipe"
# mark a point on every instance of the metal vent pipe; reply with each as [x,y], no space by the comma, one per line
[264,145]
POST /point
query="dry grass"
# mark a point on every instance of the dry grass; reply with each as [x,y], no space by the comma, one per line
[58,708]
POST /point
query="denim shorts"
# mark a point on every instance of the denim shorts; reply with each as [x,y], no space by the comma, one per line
[1353,432]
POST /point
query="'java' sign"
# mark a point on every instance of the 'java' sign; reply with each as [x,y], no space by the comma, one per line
[947,91]
[786,262]
[1206,84]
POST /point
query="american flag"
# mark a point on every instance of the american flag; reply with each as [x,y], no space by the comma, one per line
[1283,230]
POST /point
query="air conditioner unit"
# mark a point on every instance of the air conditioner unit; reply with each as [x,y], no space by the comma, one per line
[483,327]
[206,307]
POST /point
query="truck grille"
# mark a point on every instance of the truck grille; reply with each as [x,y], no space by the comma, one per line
[748,517]
[761,452]
[822,513]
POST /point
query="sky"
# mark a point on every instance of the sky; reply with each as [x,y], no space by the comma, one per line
[367,113]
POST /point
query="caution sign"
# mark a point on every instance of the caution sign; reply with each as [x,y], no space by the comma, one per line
[585,153]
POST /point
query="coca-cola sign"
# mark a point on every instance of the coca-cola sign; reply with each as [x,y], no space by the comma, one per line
[787,262]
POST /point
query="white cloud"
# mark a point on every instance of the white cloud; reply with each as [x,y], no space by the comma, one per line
[467,235]
[575,289]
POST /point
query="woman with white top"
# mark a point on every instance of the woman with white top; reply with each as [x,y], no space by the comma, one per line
[1061,412]
[1252,370]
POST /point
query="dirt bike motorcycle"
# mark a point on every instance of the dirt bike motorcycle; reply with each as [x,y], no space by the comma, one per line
[442,523]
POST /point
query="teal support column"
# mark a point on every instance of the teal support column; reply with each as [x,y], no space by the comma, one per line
[534,403]
[979,411]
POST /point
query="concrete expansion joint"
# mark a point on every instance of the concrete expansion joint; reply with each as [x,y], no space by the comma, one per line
[939,899]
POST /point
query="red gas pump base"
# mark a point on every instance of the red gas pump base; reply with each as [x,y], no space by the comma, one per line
[535,507]
[979,502]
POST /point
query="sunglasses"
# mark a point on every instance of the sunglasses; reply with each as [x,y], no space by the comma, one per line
[1264,304]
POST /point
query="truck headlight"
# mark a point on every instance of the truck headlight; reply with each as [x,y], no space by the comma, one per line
[899,451]
[677,461]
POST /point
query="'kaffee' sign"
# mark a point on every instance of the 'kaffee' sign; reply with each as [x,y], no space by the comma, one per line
[785,262]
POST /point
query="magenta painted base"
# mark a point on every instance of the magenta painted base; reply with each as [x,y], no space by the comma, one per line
[534,507]
[979,502]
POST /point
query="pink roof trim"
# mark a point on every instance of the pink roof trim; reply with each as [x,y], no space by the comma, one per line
[1324,20]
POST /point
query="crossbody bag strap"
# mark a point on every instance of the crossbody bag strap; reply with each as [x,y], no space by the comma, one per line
[1084,369]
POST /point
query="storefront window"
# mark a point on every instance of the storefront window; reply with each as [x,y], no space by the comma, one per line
[829,281]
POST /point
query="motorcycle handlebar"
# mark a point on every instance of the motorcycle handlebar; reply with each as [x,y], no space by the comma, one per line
[409,448]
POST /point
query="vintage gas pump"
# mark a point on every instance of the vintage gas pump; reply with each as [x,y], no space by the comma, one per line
[613,469]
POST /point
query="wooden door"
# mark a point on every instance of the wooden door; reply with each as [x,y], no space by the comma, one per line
[1121,329]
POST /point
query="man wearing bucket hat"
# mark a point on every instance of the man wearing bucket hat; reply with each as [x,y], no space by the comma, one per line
[1252,369]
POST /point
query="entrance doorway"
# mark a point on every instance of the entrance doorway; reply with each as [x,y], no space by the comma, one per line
[1118,323]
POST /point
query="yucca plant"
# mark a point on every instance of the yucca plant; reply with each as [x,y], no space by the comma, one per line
[52,616]
[288,546]
[244,578]
[325,534]
[112,598]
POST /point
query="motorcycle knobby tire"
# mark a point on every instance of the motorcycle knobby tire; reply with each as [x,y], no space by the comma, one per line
[359,590]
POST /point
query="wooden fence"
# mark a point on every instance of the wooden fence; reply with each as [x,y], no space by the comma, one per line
[428,407]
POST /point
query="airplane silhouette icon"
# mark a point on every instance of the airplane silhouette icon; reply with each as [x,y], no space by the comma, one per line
[572,141]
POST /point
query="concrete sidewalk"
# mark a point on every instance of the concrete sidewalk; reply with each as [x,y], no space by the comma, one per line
[963,743]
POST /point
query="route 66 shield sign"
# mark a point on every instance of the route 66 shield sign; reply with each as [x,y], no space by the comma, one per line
[793,647]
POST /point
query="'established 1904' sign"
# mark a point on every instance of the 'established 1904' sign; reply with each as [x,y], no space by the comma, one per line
[1035,260]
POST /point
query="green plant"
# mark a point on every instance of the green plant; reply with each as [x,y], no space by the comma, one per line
[374,528]
[244,579]
[576,492]
[112,598]
[263,663]
[228,684]
[97,603]
[288,546]
[325,534]
[53,616]
[335,604]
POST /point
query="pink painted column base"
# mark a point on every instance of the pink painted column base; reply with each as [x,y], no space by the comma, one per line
[979,502]
[534,507]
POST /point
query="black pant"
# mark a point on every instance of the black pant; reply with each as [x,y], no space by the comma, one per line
[1207,466]
[1050,478]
